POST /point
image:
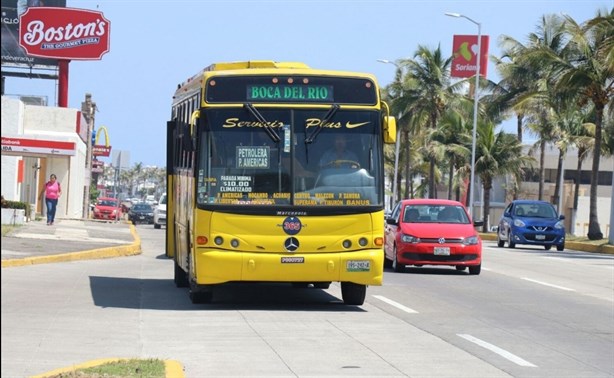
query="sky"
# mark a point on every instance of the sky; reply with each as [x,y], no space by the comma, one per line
[155,45]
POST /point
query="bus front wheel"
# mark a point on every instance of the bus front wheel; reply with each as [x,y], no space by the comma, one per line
[353,294]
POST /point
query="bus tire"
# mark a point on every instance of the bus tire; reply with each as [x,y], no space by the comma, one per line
[181,277]
[353,294]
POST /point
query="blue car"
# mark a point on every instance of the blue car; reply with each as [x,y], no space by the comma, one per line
[533,223]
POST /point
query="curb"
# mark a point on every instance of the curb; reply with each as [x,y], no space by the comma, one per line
[586,247]
[172,368]
[100,253]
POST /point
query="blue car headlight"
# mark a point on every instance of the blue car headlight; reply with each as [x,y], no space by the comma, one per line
[559,225]
[519,223]
[409,239]
[472,240]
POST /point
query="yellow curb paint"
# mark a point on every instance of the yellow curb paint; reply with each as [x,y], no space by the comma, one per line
[100,253]
[172,368]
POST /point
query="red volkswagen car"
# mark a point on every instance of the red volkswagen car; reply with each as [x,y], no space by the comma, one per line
[108,209]
[432,232]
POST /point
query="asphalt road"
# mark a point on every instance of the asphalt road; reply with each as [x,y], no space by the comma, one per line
[530,313]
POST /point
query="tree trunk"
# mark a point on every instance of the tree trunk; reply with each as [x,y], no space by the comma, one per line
[557,186]
[594,231]
[519,127]
[576,190]
[486,186]
[542,170]
[450,177]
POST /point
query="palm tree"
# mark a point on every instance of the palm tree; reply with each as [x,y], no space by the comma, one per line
[426,92]
[497,154]
[453,138]
[588,69]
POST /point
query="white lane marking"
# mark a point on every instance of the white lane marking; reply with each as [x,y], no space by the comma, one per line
[569,261]
[501,352]
[395,304]
[547,284]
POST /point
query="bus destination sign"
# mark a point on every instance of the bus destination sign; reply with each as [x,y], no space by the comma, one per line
[316,93]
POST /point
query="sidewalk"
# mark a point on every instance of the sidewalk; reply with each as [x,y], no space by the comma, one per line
[68,240]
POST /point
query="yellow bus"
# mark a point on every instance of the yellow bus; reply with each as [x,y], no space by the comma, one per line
[250,195]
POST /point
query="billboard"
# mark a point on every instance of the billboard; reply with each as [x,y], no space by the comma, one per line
[12,53]
[465,55]
[64,33]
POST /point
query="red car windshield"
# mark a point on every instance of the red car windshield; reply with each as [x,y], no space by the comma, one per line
[435,214]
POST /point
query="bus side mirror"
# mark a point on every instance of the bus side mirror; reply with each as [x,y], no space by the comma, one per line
[390,129]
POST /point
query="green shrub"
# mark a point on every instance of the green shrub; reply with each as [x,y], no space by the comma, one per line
[6,204]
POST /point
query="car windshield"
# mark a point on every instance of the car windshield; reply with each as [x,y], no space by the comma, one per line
[142,207]
[107,203]
[536,210]
[435,214]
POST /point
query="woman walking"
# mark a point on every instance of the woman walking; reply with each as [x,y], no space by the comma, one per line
[52,192]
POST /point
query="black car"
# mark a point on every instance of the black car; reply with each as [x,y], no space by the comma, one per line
[141,213]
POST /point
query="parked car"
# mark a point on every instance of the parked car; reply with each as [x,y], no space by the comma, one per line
[141,213]
[531,222]
[432,232]
[107,208]
[159,217]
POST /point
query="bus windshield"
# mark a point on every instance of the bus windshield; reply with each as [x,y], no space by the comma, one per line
[294,157]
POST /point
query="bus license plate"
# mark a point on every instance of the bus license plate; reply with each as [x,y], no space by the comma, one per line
[442,251]
[358,266]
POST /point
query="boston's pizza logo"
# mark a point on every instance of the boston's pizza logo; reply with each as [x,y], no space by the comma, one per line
[64,33]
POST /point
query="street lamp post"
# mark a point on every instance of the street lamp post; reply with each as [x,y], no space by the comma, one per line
[396,147]
[476,99]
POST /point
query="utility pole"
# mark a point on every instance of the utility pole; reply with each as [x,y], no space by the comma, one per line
[88,109]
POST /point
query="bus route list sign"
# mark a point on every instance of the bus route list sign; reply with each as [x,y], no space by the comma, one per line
[253,157]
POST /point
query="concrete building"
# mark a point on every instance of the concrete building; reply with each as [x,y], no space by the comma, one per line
[38,141]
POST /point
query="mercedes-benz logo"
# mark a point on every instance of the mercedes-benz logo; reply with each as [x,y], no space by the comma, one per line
[291,244]
[442,240]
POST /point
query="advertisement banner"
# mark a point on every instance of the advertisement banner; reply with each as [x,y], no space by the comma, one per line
[12,53]
[64,33]
[465,55]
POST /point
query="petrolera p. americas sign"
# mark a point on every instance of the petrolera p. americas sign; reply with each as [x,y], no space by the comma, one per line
[64,33]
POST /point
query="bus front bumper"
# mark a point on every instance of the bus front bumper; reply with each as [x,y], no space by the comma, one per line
[363,267]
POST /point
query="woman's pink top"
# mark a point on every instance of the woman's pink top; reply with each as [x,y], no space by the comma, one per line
[52,190]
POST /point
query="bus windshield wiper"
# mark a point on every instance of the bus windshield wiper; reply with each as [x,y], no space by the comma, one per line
[327,118]
[269,130]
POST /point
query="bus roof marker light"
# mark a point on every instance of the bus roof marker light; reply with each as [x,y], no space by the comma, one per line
[290,80]
[275,80]
[305,80]
[218,240]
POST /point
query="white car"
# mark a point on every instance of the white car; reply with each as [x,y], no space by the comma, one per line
[159,217]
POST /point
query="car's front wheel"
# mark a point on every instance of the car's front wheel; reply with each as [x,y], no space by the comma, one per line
[500,243]
[560,247]
[398,267]
[475,270]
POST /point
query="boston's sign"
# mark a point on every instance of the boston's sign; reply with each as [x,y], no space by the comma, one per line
[64,33]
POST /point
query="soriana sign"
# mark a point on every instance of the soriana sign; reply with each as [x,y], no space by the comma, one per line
[465,55]
[64,33]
